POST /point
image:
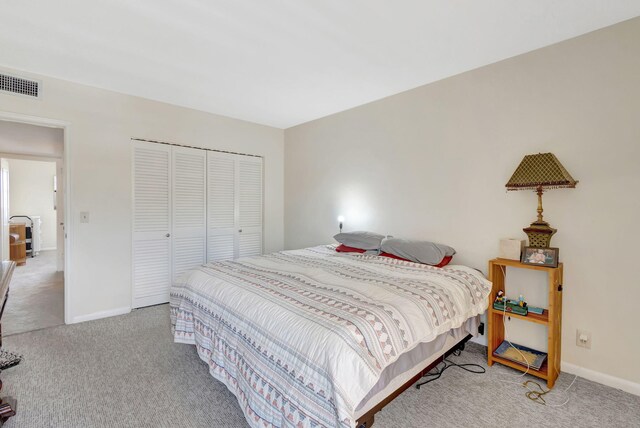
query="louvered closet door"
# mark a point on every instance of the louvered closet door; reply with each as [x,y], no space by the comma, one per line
[189,209]
[151,223]
[249,206]
[221,206]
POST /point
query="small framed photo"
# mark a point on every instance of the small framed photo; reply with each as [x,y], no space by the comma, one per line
[547,257]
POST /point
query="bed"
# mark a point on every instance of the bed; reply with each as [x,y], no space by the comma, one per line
[315,338]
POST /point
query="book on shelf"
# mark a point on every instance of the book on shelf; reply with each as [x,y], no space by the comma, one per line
[535,310]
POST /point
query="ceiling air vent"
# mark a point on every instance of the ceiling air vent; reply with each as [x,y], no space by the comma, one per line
[19,86]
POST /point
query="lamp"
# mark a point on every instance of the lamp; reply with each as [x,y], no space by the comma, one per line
[340,220]
[540,172]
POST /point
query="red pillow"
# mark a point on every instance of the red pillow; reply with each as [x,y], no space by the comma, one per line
[344,249]
[445,261]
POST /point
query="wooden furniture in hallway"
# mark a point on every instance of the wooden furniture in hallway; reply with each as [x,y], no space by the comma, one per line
[18,243]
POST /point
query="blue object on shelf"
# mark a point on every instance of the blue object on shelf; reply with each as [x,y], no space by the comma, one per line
[536,310]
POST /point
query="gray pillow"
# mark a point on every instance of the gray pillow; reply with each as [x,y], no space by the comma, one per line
[425,252]
[361,239]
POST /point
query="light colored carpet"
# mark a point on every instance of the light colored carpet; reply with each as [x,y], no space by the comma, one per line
[36,296]
[126,372]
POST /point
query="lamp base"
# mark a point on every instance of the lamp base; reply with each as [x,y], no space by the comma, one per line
[539,233]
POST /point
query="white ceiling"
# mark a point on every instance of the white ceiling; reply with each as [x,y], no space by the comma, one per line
[285,62]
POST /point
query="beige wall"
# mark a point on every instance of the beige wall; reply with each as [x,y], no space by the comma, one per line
[432,163]
[101,124]
[31,193]
[32,140]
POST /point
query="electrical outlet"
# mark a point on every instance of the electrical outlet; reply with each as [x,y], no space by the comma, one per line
[583,339]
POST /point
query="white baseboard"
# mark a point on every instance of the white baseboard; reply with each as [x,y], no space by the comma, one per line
[480,339]
[605,379]
[101,314]
[49,249]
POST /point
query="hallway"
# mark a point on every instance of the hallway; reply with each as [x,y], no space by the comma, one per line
[36,296]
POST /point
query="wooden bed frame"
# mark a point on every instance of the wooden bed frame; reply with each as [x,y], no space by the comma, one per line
[366,420]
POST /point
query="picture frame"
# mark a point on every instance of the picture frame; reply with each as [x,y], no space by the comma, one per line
[546,257]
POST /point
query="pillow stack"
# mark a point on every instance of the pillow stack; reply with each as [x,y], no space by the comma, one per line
[424,252]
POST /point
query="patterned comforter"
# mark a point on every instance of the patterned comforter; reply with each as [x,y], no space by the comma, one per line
[300,337]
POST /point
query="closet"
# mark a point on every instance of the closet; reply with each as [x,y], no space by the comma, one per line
[190,206]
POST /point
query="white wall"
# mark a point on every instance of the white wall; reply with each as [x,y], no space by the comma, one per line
[31,193]
[101,124]
[432,163]
[32,140]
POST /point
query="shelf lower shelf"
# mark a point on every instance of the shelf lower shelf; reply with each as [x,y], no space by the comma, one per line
[539,319]
[542,373]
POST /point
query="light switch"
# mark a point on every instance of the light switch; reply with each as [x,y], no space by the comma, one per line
[84,217]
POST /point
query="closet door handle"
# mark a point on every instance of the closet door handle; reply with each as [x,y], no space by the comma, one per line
[167,235]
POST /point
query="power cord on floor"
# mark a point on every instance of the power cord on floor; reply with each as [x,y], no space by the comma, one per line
[436,373]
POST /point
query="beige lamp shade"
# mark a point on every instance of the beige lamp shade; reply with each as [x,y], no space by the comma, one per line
[542,169]
[540,172]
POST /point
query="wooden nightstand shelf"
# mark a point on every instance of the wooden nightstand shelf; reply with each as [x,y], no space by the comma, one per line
[551,317]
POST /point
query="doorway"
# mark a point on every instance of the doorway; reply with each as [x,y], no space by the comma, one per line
[33,196]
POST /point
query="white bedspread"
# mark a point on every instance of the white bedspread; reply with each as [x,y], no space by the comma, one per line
[300,337]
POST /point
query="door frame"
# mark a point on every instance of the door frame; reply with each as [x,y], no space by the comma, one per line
[67,196]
